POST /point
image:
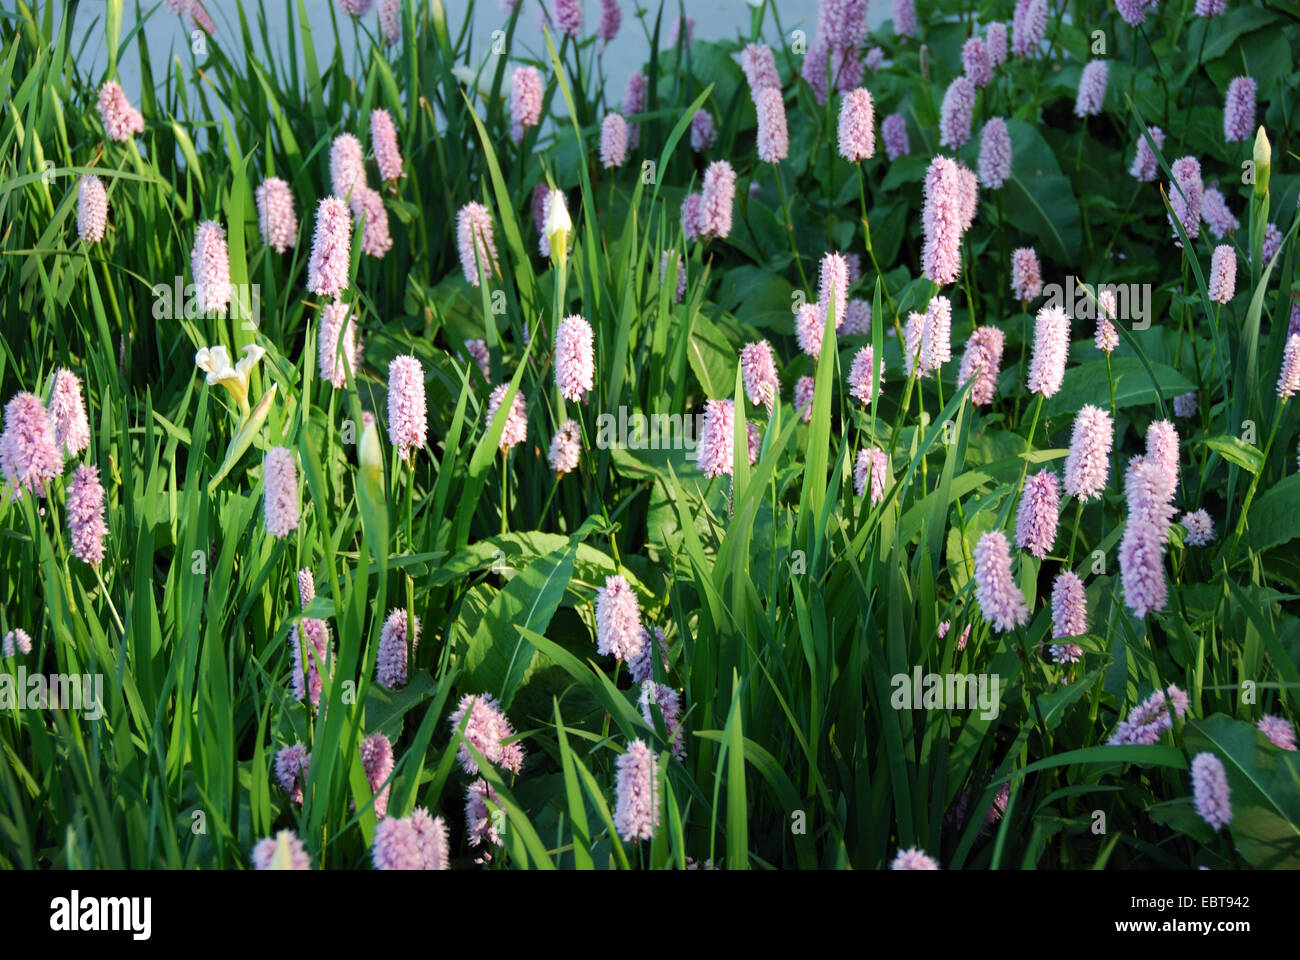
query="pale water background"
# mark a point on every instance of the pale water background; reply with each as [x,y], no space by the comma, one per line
[167,37]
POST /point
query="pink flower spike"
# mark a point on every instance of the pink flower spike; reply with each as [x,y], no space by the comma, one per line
[1162,449]
[773,136]
[1000,600]
[634,102]
[1092,89]
[636,814]
[331,249]
[668,703]
[861,376]
[703,133]
[18,641]
[976,62]
[1185,195]
[759,64]
[29,451]
[1278,730]
[717,199]
[1051,349]
[716,448]
[391,657]
[692,226]
[1185,405]
[983,362]
[758,369]
[893,130]
[618,620]
[944,218]
[996,36]
[317,653]
[566,448]
[1199,527]
[568,16]
[1088,463]
[383,141]
[613,141]
[1288,380]
[275,215]
[913,345]
[574,358]
[1029,27]
[936,336]
[368,207]
[86,515]
[914,858]
[291,767]
[857,314]
[121,120]
[1040,504]
[396,846]
[478,251]
[347,165]
[526,90]
[210,265]
[487,731]
[1145,167]
[1107,337]
[390,21]
[338,359]
[611,16]
[377,760]
[871,465]
[1026,279]
[1239,110]
[407,410]
[955,113]
[516,426]
[1141,550]
[833,282]
[809,329]
[92,209]
[482,807]
[1069,607]
[1210,790]
[680,267]
[280,482]
[995,154]
[67,413]
[642,665]
[904,17]
[857,126]
[1215,213]
[803,397]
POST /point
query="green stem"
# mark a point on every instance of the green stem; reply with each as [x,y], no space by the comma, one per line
[103,589]
[789,225]
[1078,518]
[505,497]
[1254,481]
[1029,445]
[1114,452]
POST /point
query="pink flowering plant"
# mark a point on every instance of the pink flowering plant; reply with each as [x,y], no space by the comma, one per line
[613,428]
